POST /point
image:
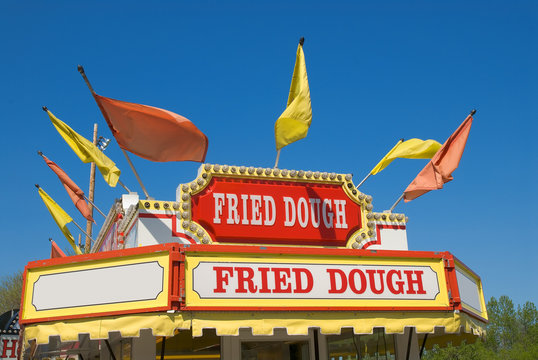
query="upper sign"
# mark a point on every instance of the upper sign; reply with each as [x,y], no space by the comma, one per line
[229,204]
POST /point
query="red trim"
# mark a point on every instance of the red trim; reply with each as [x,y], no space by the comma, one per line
[92,315]
[104,255]
[174,292]
[270,242]
[317,308]
[378,228]
[281,250]
[175,233]
[451,281]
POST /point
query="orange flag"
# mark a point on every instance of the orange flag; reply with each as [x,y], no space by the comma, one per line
[55,251]
[152,133]
[75,193]
[439,170]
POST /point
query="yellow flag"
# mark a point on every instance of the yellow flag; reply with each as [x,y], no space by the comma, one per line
[61,218]
[410,149]
[87,151]
[294,122]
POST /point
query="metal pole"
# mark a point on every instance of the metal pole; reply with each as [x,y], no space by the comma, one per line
[363,180]
[136,174]
[409,344]
[81,229]
[423,346]
[277,158]
[81,71]
[110,350]
[89,224]
[163,347]
[396,203]
[94,206]
[123,186]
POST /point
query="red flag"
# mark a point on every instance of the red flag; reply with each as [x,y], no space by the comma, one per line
[152,133]
[55,251]
[439,169]
[75,193]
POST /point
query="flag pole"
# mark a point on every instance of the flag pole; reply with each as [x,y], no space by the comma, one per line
[89,224]
[123,186]
[396,203]
[363,180]
[85,233]
[81,71]
[96,208]
[277,158]
[136,174]
[390,152]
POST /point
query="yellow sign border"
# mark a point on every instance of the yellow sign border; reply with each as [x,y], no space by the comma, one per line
[192,299]
[32,276]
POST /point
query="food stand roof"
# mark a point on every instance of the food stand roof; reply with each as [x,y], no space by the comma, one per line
[253,248]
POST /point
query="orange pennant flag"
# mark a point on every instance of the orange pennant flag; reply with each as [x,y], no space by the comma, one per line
[75,193]
[152,133]
[55,251]
[439,169]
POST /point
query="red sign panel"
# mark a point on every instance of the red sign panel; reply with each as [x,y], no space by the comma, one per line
[276,212]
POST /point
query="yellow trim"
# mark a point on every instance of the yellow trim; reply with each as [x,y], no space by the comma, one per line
[193,299]
[483,313]
[32,276]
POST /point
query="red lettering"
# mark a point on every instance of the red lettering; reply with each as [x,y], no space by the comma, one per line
[12,348]
[281,279]
[411,282]
[264,289]
[371,277]
[245,274]
[399,284]
[352,284]
[298,280]
[222,279]
[332,278]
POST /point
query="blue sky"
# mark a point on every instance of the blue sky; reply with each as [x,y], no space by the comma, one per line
[378,71]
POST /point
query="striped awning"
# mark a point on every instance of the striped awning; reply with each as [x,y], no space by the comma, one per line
[447,326]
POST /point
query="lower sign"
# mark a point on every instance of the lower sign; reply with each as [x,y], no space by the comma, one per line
[243,280]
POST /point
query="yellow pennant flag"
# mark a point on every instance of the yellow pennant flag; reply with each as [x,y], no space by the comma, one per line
[87,151]
[294,122]
[61,218]
[410,149]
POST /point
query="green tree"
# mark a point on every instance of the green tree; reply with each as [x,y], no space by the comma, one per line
[10,292]
[511,334]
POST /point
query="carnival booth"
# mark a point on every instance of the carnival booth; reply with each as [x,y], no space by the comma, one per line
[250,263]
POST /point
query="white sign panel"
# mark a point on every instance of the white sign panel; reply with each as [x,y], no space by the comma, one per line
[241,280]
[469,292]
[108,285]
